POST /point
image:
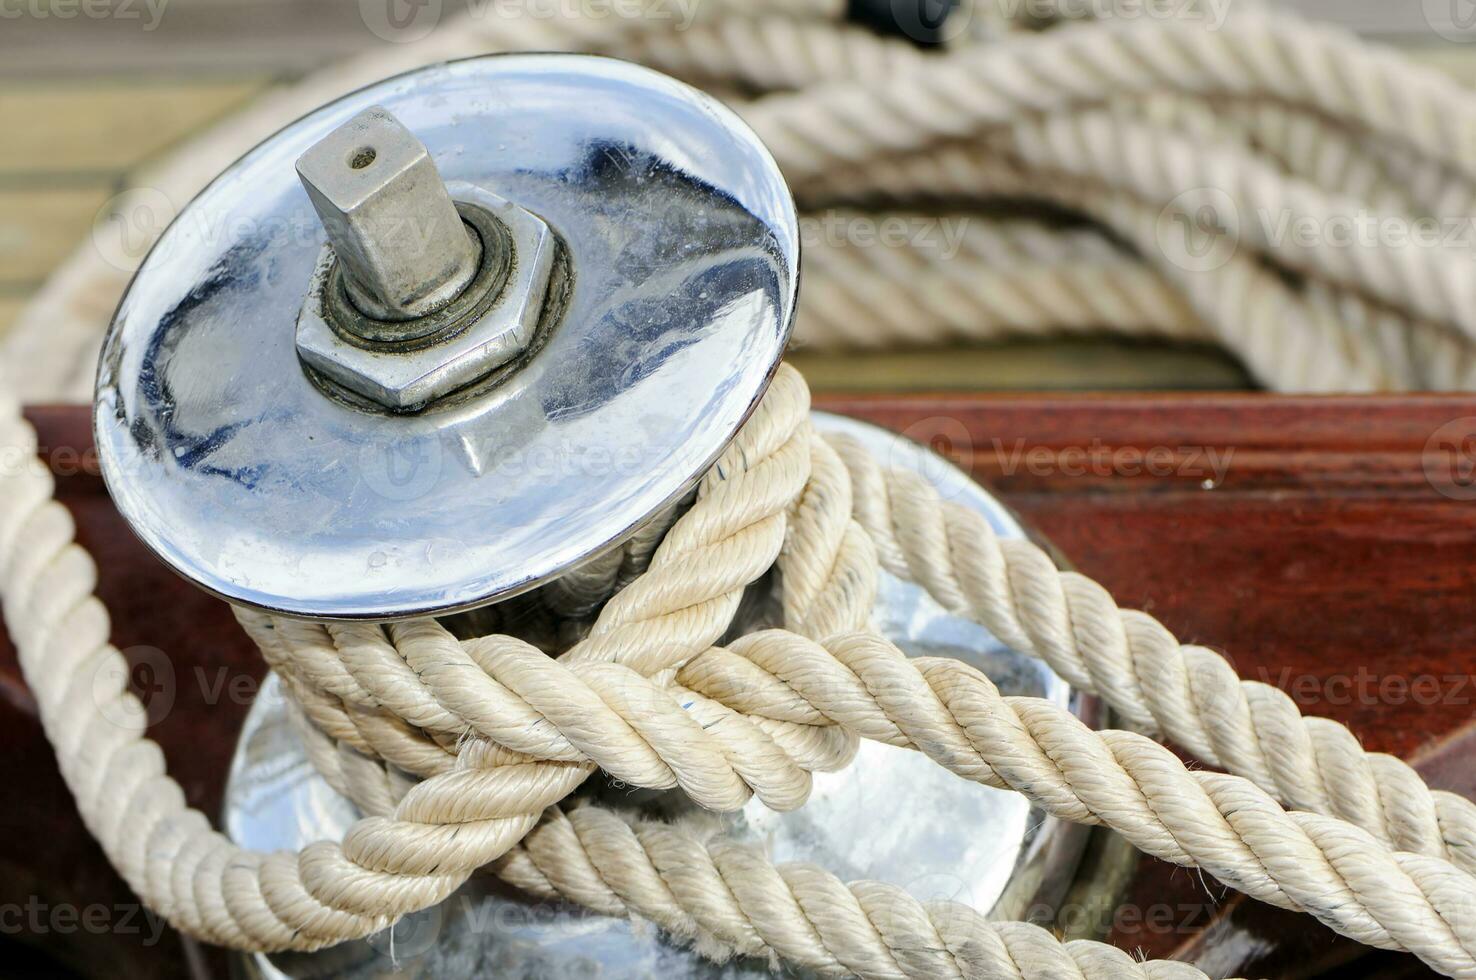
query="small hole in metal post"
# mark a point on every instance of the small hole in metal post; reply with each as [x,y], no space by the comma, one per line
[362,157]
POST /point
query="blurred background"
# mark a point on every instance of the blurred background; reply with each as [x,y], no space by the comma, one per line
[93,92]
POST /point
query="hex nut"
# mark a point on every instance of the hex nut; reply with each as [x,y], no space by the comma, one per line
[404,377]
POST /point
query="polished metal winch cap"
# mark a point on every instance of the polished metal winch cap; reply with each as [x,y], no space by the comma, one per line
[303,429]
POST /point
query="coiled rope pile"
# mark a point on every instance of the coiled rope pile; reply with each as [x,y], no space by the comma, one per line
[460,751]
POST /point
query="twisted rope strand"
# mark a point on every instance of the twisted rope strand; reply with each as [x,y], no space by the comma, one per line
[384,867]
[1161,822]
[1188,693]
[953,714]
[608,863]
[405,860]
[1256,55]
[457,750]
[729,899]
[1006,278]
[1290,337]
[1252,201]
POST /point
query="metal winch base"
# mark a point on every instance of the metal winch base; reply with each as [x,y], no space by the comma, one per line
[892,815]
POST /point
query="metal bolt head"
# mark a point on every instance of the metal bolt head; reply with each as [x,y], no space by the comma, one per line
[489,330]
[404,249]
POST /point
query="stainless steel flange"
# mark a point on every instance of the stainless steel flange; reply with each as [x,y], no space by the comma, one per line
[378,467]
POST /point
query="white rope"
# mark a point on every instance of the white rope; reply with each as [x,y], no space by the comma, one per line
[459,752]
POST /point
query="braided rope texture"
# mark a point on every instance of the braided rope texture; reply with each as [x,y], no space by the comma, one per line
[459,751]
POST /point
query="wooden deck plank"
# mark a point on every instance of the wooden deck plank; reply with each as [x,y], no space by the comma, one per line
[1100,364]
[195,37]
[1403,22]
[107,126]
[10,307]
[40,226]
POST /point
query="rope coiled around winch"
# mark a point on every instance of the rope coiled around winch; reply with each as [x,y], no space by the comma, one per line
[1113,121]
[501,732]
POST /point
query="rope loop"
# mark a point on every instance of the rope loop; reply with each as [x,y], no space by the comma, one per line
[1168,141]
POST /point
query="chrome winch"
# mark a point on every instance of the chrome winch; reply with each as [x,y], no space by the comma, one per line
[472,331]
[553,290]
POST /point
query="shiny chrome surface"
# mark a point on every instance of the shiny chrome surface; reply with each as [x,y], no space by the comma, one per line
[404,250]
[488,324]
[237,470]
[892,815]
